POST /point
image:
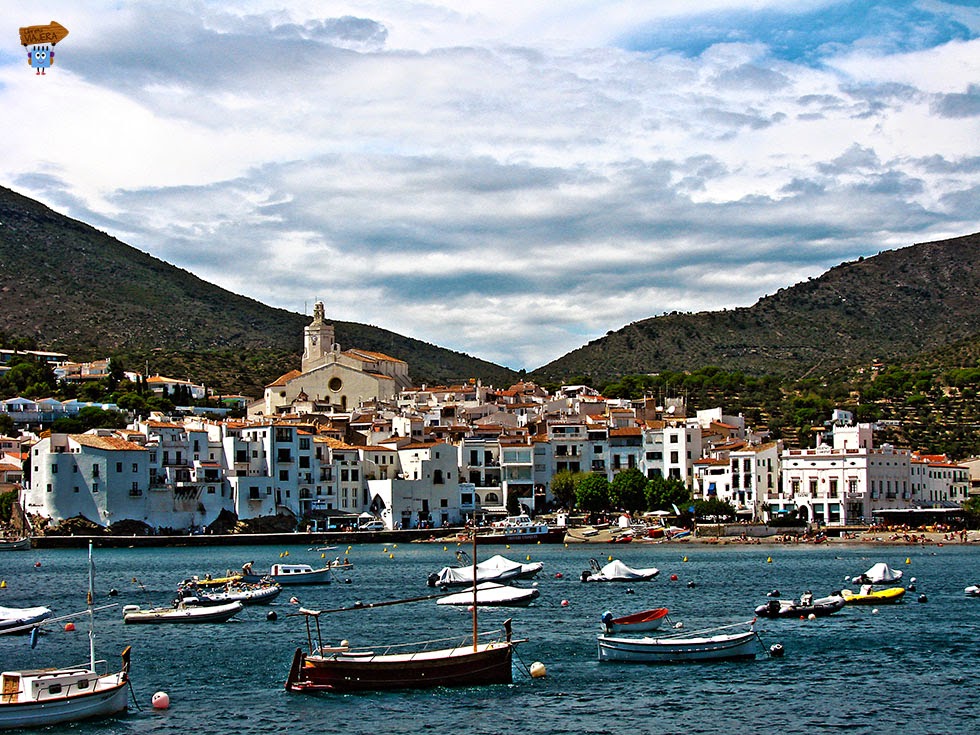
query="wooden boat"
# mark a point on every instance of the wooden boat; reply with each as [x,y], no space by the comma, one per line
[820,607]
[695,646]
[639,622]
[261,594]
[617,571]
[873,597]
[292,574]
[21,619]
[184,611]
[475,660]
[491,594]
[15,544]
[43,697]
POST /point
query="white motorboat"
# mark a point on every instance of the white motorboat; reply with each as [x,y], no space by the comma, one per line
[290,574]
[187,610]
[617,571]
[972,591]
[491,594]
[52,696]
[702,645]
[21,619]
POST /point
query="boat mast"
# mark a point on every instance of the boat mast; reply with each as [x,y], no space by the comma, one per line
[475,627]
[90,598]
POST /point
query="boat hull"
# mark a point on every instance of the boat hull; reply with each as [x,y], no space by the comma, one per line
[21,544]
[820,608]
[103,703]
[193,614]
[640,622]
[891,595]
[491,663]
[666,650]
[492,595]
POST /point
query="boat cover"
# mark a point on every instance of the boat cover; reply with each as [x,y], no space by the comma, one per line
[494,569]
[616,571]
[881,573]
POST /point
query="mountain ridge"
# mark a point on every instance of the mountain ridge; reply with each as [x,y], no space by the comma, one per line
[72,288]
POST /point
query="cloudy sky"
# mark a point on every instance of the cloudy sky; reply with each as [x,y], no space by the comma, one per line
[507,179]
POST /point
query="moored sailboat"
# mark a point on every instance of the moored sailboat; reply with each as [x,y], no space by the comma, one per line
[475,660]
[41,697]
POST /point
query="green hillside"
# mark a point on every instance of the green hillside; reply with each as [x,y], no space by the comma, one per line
[71,288]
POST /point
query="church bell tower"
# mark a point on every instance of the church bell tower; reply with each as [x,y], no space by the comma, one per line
[317,340]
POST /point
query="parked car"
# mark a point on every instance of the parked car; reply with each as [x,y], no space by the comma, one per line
[372,526]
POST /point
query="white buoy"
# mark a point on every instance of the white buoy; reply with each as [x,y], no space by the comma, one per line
[875,611]
[564,603]
[811,616]
[537,670]
[160,700]
[678,625]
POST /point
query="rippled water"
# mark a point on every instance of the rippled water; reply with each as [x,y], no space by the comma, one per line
[911,668]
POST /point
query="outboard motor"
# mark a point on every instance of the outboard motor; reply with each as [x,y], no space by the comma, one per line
[433,579]
[606,619]
[773,607]
[585,575]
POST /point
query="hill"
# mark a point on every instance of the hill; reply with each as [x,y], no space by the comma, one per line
[888,307]
[74,289]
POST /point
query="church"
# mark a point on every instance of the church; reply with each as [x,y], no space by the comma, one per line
[332,380]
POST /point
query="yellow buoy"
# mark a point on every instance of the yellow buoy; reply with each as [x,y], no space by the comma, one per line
[508,546]
[394,546]
[685,558]
[769,560]
[537,670]
[391,556]
[528,558]
[908,560]
[3,585]
[445,549]
[384,550]
[609,558]
[323,556]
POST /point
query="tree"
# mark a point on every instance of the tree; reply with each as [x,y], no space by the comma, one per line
[592,492]
[6,424]
[664,493]
[563,488]
[628,490]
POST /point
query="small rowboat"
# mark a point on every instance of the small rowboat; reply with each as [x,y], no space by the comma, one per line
[875,597]
[695,646]
[636,623]
[15,544]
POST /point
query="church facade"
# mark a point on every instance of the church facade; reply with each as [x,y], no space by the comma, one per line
[331,379]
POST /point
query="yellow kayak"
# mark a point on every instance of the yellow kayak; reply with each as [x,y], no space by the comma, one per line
[875,597]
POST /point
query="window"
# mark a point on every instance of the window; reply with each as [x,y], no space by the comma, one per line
[284,475]
[95,470]
[136,467]
[674,457]
[54,469]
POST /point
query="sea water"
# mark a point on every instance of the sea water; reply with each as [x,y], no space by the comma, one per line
[906,668]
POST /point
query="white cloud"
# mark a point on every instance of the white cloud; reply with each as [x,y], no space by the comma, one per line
[505,179]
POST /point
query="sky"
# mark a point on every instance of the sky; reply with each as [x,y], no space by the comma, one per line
[506,179]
